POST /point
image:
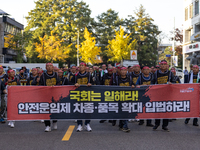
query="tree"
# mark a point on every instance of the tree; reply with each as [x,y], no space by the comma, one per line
[64,17]
[88,51]
[146,33]
[16,42]
[168,51]
[51,48]
[178,38]
[105,27]
[119,48]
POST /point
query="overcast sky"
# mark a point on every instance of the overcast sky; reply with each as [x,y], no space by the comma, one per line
[162,11]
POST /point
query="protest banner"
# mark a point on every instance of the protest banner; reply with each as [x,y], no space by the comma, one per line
[103,102]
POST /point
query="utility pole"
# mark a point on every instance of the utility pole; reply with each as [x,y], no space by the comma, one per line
[78,49]
[173,45]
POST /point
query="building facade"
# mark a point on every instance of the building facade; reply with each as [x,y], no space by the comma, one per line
[191,33]
[8,26]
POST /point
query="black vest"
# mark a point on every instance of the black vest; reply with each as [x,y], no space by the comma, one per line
[163,78]
[144,81]
[83,79]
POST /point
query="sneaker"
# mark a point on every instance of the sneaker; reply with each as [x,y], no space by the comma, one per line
[42,121]
[155,127]
[120,128]
[165,129]
[55,126]
[126,130]
[12,125]
[9,123]
[88,128]
[80,128]
[47,129]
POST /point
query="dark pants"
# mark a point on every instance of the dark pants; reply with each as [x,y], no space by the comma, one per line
[80,122]
[48,122]
[3,106]
[165,122]
[148,121]
[123,124]
[195,120]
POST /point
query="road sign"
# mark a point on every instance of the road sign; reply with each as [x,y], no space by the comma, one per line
[133,54]
[168,55]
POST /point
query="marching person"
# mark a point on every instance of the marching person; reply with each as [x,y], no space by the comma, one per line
[176,78]
[49,78]
[63,80]
[135,74]
[3,78]
[145,79]
[32,76]
[65,73]
[71,74]
[103,70]
[36,80]
[124,80]
[162,76]
[12,80]
[82,78]
[193,78]
[22,77]
[97,76]
[106,81]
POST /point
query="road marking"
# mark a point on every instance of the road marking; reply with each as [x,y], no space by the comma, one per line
[68,133]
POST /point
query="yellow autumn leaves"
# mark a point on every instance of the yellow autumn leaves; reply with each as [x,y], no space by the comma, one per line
[88,51]
[52,48]
[119,48]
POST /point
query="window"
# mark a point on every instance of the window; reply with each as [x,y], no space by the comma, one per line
[196,7]
[191,10]
[186,14]
[187,36]
[197,28]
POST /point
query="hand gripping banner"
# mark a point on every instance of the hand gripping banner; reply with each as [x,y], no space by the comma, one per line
[103,102]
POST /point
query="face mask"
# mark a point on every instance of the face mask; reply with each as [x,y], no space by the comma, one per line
[22,74]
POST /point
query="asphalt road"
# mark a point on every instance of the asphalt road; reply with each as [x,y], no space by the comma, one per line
[31,136]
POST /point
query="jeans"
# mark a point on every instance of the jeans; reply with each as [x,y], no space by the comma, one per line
[123,124]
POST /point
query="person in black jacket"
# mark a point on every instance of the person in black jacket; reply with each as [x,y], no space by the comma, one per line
[49,78]
[145,79]
[82,78]
[63,80]
[32,76]
[162,76]
[12,81]
[123,80]
[193,77]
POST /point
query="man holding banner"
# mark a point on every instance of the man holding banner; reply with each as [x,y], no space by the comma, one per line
[162,76]
[124,80]
[82,78]
[193,78]
[49,78]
